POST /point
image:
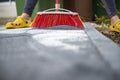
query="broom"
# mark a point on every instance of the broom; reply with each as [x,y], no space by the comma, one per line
[56,17]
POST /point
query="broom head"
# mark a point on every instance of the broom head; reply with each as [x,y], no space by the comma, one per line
[57,18]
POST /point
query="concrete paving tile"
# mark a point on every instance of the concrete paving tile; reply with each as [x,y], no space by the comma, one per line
[57,54]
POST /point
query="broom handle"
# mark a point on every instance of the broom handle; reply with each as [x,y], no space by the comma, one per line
[57,5]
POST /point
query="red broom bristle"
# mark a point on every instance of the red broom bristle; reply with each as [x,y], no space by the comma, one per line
[50,20]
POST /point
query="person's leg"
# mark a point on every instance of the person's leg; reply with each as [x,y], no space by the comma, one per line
[23,20]
[28,9]
[112,12]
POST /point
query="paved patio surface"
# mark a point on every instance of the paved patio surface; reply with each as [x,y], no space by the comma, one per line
[61,53]
[2,27]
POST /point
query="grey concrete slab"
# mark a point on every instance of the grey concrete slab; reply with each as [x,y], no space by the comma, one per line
[2,27]
[108,49]
[56,54]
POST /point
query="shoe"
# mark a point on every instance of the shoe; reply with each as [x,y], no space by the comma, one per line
[18,23]
[115,27]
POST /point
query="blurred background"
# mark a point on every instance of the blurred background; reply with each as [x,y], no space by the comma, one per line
[89,10]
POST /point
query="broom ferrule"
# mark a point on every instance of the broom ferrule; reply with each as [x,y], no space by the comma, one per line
[57,6]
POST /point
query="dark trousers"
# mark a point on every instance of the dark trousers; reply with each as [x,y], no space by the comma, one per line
[110,7]
[29,6]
